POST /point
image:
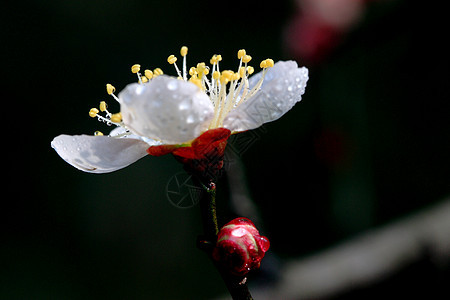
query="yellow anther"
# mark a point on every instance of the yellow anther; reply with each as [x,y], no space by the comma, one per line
[226,76]
[267,63]
[242,71]
[157,72]
[246,58]
[110,89]
[93,112]
[192,71]
[270,63]
[184,51]
[116,118]
[216,75]
[250,70]
[202,69]
[235,76]
[196,81]
[241,53]
[97,133]
[135,68]
[144,79]
[215,59]
[171,59]
[148,74]
[103,106]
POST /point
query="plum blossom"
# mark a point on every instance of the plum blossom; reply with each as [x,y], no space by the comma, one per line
[183,115]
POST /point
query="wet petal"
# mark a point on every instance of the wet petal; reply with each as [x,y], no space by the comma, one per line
[99,154]
[283,86]
[120,132]
[166,109]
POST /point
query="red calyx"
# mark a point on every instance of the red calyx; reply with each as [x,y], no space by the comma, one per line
[203,157]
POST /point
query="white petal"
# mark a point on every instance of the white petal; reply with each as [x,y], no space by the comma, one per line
[120,132]
[167,109]
[283,86]
[98,154]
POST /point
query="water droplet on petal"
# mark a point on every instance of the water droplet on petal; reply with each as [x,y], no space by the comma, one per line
[190,119]
[184,105]
[172,85]
[263,243]
[139,89]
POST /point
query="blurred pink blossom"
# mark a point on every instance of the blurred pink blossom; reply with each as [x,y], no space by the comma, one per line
[319,25]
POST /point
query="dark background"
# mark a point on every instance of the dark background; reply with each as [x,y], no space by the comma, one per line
[368,144]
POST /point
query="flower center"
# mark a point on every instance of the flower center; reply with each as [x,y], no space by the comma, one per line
[226,89]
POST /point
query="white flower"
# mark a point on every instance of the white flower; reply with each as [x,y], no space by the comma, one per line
[162,109]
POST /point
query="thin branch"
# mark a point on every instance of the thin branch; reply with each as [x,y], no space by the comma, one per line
[236,285]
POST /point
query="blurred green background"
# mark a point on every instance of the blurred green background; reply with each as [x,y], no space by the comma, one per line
[369,143]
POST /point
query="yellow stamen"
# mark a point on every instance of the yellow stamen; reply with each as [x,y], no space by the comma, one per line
[246,58]
[144,79]
[184,51]
[135,68]
[110,89]
[97,133]
[171,59]
[242,71]
[226,76]
[267,63]
[157,72]
[241,53]
[103,106]
[195,80]
[193,71]
[148,74]
[93,112]
[116,118]
[216,75]
[250,70]
[201,68]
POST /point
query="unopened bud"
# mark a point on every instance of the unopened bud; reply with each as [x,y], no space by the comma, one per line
[239,246]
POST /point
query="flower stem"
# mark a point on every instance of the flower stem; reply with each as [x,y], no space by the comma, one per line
[236,285]
[209,214]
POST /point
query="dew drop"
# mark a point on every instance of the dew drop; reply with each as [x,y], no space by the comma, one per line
[172,85]
[264,243]
[139,89]
[190,119]
[184,105]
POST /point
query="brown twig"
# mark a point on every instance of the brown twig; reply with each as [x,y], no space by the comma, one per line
[236,285]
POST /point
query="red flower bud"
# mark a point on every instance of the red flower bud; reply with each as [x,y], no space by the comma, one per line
[239,246]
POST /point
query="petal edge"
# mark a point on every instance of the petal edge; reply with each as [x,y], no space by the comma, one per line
[98,154]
